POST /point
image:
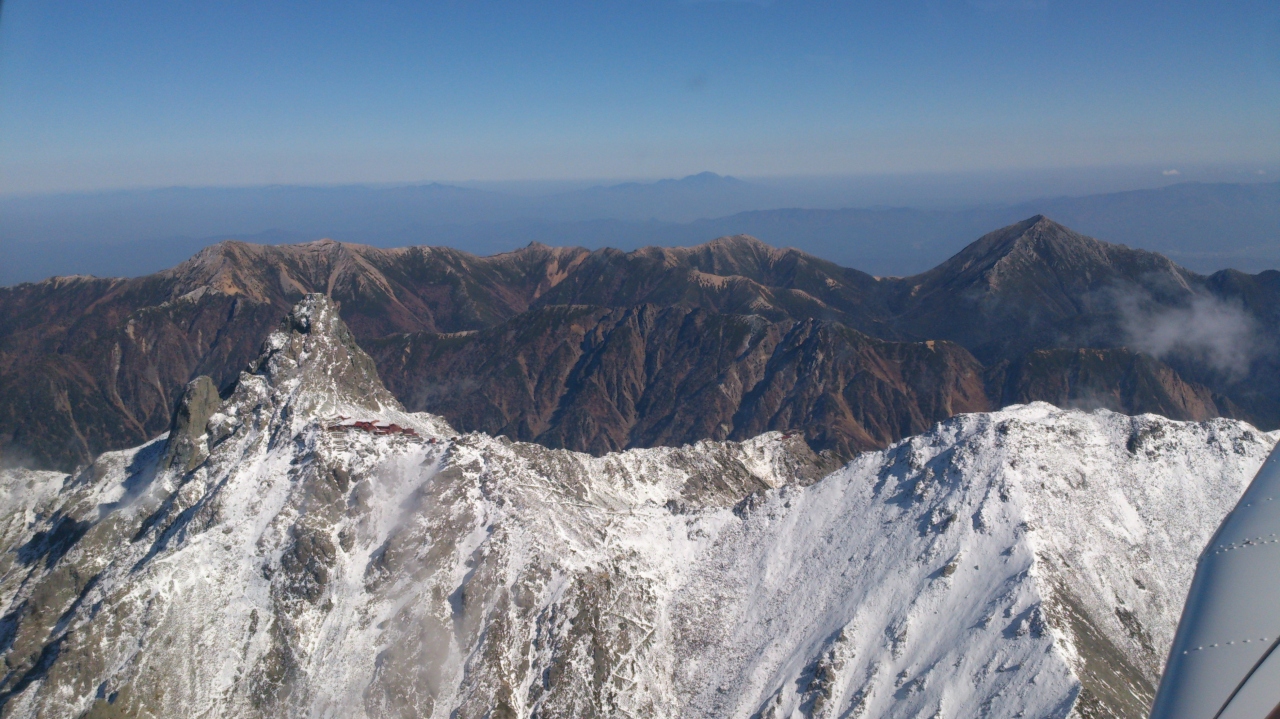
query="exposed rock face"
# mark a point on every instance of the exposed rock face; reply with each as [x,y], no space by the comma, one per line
[599,380]
[1116,379]
[1029,562]
[315,357]
[109,372]
[731,275]
[88,365]
[199,402]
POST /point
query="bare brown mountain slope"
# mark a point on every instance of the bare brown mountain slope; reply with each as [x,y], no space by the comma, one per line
[90,364]
[1037,285]
[732,275]
[600,379]
[1117,379]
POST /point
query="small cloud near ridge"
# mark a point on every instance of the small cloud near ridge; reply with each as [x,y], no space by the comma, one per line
[1218,334]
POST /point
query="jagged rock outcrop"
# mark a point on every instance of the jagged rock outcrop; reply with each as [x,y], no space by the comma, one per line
[199,402]
[332,555]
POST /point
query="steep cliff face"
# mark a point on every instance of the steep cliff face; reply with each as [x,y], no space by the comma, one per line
[304,547]
[1116,379]
[597,380]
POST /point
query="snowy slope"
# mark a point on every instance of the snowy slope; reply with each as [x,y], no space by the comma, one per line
[271,558]
[985,568]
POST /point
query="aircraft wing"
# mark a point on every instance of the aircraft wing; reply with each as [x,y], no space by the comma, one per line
[1225,663]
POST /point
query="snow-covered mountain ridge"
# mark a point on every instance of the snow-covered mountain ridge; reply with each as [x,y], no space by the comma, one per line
[271,559]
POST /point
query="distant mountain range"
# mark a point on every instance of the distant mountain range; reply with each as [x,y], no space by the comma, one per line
[605,349]
[1204,226]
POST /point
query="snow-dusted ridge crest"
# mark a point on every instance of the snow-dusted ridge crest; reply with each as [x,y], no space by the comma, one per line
[277,556]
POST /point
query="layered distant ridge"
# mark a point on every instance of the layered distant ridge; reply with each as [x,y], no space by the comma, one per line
[850,360]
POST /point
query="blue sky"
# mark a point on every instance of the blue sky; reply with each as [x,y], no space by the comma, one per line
[137,93]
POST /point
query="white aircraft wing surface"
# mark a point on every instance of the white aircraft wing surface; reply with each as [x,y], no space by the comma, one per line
[1225,663]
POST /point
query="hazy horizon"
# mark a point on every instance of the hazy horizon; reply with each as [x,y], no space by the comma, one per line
[1201,224]
[148,94]
[133,133]
[901,189]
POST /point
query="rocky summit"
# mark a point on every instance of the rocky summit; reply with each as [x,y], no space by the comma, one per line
[297,545]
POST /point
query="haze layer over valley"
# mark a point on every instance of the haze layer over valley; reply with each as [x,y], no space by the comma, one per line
[881,225]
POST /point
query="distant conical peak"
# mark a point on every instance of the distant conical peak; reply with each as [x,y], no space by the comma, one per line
[709,177]
[1023,235]
[1031,226]
[1041,224]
